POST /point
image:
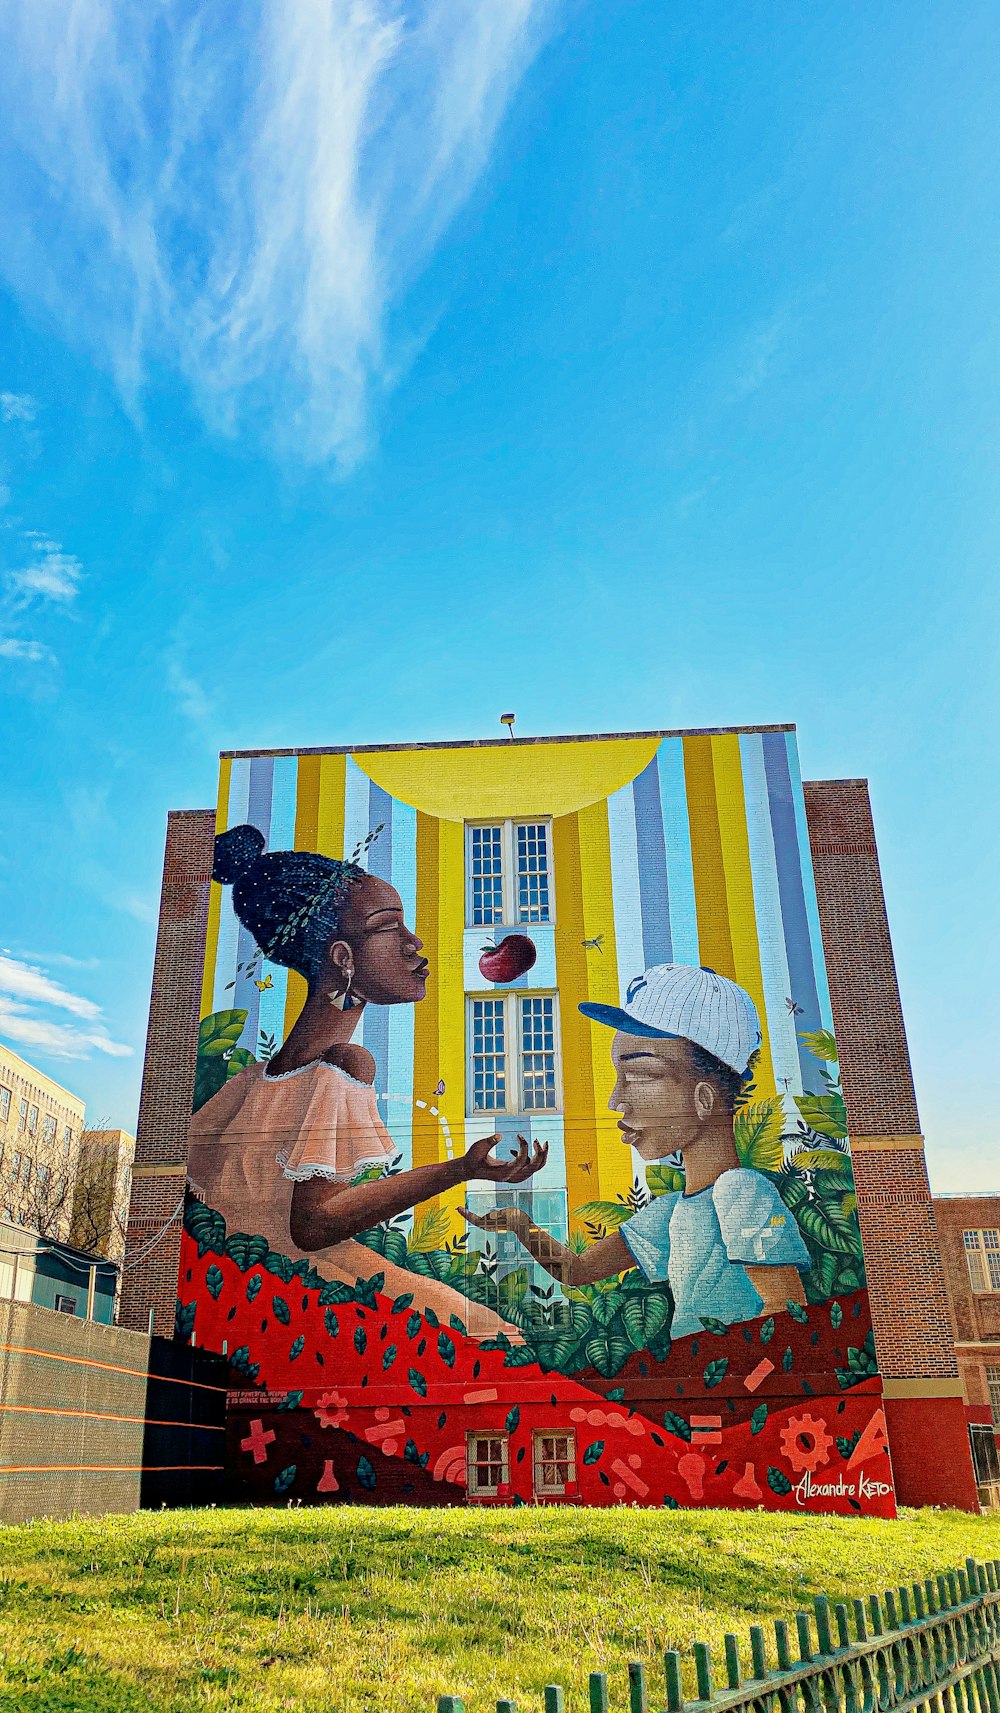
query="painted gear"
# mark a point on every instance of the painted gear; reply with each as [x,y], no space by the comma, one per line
[805,1458]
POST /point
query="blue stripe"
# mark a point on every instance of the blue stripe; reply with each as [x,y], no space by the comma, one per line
[227,954]
[624,888]
[809,884]
[379,862]
[788,859]
[399,1069]
[656,940]
[767,909]
[259,816]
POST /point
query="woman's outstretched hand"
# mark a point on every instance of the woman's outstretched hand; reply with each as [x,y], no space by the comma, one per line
[479,1161]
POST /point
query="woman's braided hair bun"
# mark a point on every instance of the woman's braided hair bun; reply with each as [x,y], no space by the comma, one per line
[236,852]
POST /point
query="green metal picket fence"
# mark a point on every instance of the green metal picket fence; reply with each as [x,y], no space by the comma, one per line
[933,1645]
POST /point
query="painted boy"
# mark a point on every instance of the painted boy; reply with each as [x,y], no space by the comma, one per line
[726,1243]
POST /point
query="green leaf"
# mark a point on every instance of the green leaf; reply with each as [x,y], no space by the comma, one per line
[797,1312]
[836,1316]
[458,1324]
[787,1360]
[513,1420]
[757,1132]
[245,1250]
[298,1345]
[758,1418]
[418,1382]
[220,1031]
[767,1330]
[821,1044]
[290,1401]
[207,1227]
[821,1218]
[715,1372]
[661,1180]
[431,1318]
[283,1481]
[446,1349]
[819,1160]
[778,1481]
[253,1287]
[676,1425]
[360,1340]
[389,1356]
[607,1353]
[643,1317]
[366,1475]
[184,1320]
[824,1113]
[336,1292]
[331,1323]
[594,1451]
[401,1303]
[413,1325]
[610,1214]
[214,1281]
[710,1324]
[280,1266]
[282,1311]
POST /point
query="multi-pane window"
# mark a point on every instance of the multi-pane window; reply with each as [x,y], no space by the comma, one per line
[993,1387]
[982,1257]
[44,1177]
[48,1128]
[4,1105]
[487,1464]
[555,1462]
[32,1119]
[489,1055]
[509,872]
[15,1166]
[67,1138]
[22,1116]
[514,1053]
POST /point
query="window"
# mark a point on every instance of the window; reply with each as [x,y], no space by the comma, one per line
[65,1305]
[985,1461]
[982,1257]
[509,874]
[4,1105]
[487,1466]
[513,1053]
[48,1128]
[993,1387]
[32,1119]
[43,1175]
[67,1138]
[15,1161]
[555,1462]
[22,1118]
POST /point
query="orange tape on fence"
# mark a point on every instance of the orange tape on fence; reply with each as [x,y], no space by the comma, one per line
[108,1367]
[96,1416]
[104,1468]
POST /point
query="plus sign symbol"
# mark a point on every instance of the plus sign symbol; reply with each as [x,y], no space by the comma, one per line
[257,1441]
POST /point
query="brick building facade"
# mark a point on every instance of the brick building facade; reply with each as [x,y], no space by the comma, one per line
[969,1232]
[919,1383]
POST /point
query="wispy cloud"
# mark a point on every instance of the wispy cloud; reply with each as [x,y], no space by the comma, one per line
[756,360]
[19,648]
[17,407]
[248,202]
[28,996]
[53,575]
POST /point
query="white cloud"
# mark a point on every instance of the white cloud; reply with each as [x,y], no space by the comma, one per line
[248,202]
[54,576]
[27,993]
[756,360]
[17,407]
[18,648]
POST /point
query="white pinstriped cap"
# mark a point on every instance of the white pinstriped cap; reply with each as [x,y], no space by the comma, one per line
[682,1002]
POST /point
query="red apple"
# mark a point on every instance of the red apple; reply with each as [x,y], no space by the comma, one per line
[514,956]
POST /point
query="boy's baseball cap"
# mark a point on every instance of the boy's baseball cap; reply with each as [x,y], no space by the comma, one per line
[682,1002]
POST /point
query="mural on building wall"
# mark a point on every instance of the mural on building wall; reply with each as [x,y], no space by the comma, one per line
[519,1156]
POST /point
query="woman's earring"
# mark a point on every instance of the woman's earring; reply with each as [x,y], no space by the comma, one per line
[343,1001]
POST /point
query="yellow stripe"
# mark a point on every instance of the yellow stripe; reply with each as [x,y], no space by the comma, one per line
[711,899]
[614,1160]
[451,1003]
[580,1130]
[426,1129]
[215,894]
[319,826]
[739,890]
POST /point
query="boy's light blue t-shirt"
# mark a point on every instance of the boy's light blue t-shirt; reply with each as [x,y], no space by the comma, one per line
[701,1245]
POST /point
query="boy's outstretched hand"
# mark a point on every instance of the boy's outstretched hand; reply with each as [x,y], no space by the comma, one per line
[479,1162]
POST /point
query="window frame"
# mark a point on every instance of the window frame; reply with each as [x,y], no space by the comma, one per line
[509,918]
[557,1489]
[992,1378]
[475,1462]
[982,1260]
[32,1121]
[50,1128]
[6,1098]
[510,999]
[62,1299]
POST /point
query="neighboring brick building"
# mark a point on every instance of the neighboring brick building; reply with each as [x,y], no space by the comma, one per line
[40,1128]
[598,862]
[969,1233]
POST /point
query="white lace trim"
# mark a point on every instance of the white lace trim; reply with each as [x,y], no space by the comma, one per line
[283,1076]
[301,1174]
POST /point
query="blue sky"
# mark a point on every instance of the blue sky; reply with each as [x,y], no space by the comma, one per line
[368,370]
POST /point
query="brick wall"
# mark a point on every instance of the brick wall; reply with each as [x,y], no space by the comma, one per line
[975,1314]
[168,1071]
